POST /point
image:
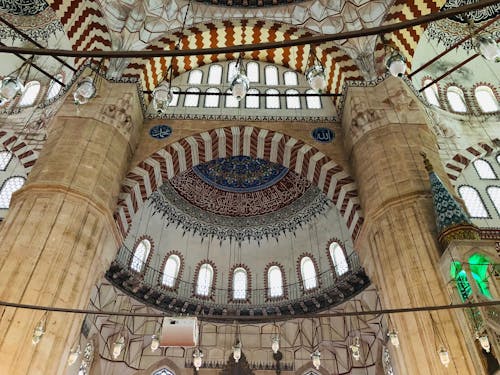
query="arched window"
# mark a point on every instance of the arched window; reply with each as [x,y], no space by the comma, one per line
[272,101]
[308,273]
[494,194]
[231,101]
[231,71]
[253,71]
[293,101]
[141,254]
[456,99]
[291,78]
[313,102]
[205,279]
[275,282]
[240,283]
[212,97]
[252,101]
[10,186]
[338,258]
[271,74]
[484,170]
[55,88]
[498,159]
[30,93]
[175,97]
[486,99]
[215,75]
[473,201]
[195,77]
[5,158]
[163,371]
[192,97]
[431,93]
[171,270]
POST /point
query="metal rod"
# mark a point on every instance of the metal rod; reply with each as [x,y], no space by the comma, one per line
[318,39]
[251,94]
[38,68]
[26,36]
[447,73]
[259,318]
[434,59]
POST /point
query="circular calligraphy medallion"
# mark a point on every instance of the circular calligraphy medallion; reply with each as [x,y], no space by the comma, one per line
[323,135]
[160,131]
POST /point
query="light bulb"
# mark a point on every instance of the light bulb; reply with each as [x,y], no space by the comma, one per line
[85,90]
[10,87]
[155,343]
[73,355]
[197,358]
[487,47]
[38,332]
[162,97]
[240,86]
[393,336]
[237,352]
[485,342]
[275,344]
[316,359]
[355,349]
[396,64]
[118,346]
[315,76]
[444,357]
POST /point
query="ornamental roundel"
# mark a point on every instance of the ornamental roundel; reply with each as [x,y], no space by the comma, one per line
[323,135]
[160,131]
[23,7]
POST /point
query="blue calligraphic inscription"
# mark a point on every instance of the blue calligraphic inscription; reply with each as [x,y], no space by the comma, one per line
[160,131]
[323,135]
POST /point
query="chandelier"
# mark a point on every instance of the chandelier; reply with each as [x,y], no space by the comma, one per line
[315,73]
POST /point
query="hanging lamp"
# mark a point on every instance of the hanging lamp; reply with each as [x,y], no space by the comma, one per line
[315,73]
[73,355]
[240,84]
[86,89]
[197,359]
[163,94]
[484,43]
[39,331]
[316,359]
[13,83]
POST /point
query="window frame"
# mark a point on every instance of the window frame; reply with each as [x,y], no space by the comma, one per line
[288,99]
[28,86]
[267,283]
[331,257]
[487,90]
[239,269]
[266,75]
[195,72]
[495,206]
[303,279]
[290,73]
[272,97]
[210,74]
[178,275]
[211,286]
[50,95]
[192,91]
[481,160]
[488,215]
[431,89]
[460,94]
[4,183]
[145,259]
[256,98]
[214,91]
[308,98]
[6,165]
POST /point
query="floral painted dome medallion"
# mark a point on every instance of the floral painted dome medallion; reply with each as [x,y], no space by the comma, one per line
[241,174]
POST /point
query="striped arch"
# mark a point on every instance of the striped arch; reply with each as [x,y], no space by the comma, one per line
[25,154]
[276,147]
[457,164]
[228,33]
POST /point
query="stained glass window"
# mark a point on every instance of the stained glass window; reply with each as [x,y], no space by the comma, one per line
[456,99]
[275,282]
[5,158]
[171,270]
[486,99]
[313,102]
[292,102]
[431,93]
[212,98]
[54,87]
[195,77]
[338,258]
[215,75]
[252,101]
[291,78]
[141,254]
[240,283]
[192,97]
[484,170]
[308,273]
[473,201]
[30,93]
[10,186]
[494,194]
[271,74]
[272,101]
[204,281]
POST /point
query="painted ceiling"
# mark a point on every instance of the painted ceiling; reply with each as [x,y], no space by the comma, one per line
[239,197]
